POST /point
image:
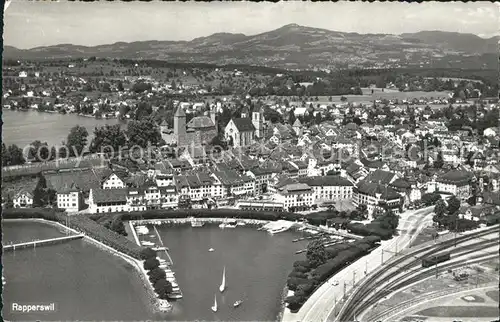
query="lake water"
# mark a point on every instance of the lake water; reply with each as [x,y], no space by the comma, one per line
[23,127]
[86,283]
[257,265]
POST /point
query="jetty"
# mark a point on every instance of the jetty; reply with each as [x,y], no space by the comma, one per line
[41,242]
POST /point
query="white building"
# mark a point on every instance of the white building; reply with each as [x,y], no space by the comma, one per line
[23,199]
[113,181]
[329,188]
[295,196]
[108,200]
[69,199]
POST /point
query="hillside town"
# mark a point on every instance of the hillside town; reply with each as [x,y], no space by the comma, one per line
[288,156]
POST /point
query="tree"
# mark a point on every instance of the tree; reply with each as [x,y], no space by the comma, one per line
[77,140]
[151,263]
[118,226]
[39,194]
[439,162]
[156,274]
[120,86]
[142,133]
[9,204]
[163,288]
[39,152]
[453,205]
[108,138]
[5,155]
[147,253]
[12,155]
[439,211]
[316,253]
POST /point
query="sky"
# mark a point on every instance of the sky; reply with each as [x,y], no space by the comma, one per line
[44,23]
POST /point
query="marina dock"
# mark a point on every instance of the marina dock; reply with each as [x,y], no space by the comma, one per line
[142,235]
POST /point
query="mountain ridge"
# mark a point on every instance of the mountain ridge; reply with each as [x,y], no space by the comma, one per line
[291,45]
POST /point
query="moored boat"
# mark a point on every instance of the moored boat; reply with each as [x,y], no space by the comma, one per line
[214,307]
[222,287]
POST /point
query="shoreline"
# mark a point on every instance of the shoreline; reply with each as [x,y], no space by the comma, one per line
[136,264]
[179,221]
[284,295]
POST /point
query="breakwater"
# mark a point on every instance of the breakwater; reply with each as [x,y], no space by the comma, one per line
[35,243]
[136,264]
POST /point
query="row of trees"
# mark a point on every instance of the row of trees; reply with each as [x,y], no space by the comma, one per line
[157,276]
[321,263]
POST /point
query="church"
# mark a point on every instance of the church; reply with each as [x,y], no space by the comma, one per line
[245,131]
[200,129]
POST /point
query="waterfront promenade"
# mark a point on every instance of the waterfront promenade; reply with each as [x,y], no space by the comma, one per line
[321,304]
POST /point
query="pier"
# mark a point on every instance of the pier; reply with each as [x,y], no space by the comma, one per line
[41,242]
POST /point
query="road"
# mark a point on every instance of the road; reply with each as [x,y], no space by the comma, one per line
[407,268]
[321,303]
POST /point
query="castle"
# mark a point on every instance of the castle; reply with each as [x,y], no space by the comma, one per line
[200,129]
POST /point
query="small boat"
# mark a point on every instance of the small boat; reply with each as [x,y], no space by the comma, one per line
[277,230]
[197,224]
[222,226]
[214,307]
[241,223]
[237,303]
[231,224]
[222,287]
[211,250]
[295,240]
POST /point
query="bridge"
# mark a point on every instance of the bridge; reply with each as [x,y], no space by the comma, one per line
[41,242]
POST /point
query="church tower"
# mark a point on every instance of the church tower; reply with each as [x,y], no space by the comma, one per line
[213,116]
[258,123]
[180,126]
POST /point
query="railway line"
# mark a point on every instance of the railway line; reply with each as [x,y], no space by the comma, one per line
[415,276]
[415,255]
[393,311]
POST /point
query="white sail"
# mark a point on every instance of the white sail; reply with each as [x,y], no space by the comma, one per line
[214,308]
[222,287]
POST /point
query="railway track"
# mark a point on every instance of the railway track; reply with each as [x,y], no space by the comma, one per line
[359,295]
[407,279]
[398,308]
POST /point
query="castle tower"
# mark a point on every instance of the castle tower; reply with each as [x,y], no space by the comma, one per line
[180,126]
[258,123]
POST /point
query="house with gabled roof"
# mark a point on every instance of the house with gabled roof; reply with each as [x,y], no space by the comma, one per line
[113,181]
[23,199]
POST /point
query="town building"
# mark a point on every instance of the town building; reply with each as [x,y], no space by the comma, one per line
[329,188]
[108,200]
[375,195]
[70,198]
[295,196]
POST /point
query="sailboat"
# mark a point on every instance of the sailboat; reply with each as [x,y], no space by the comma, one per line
[222,287]
[214,307]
